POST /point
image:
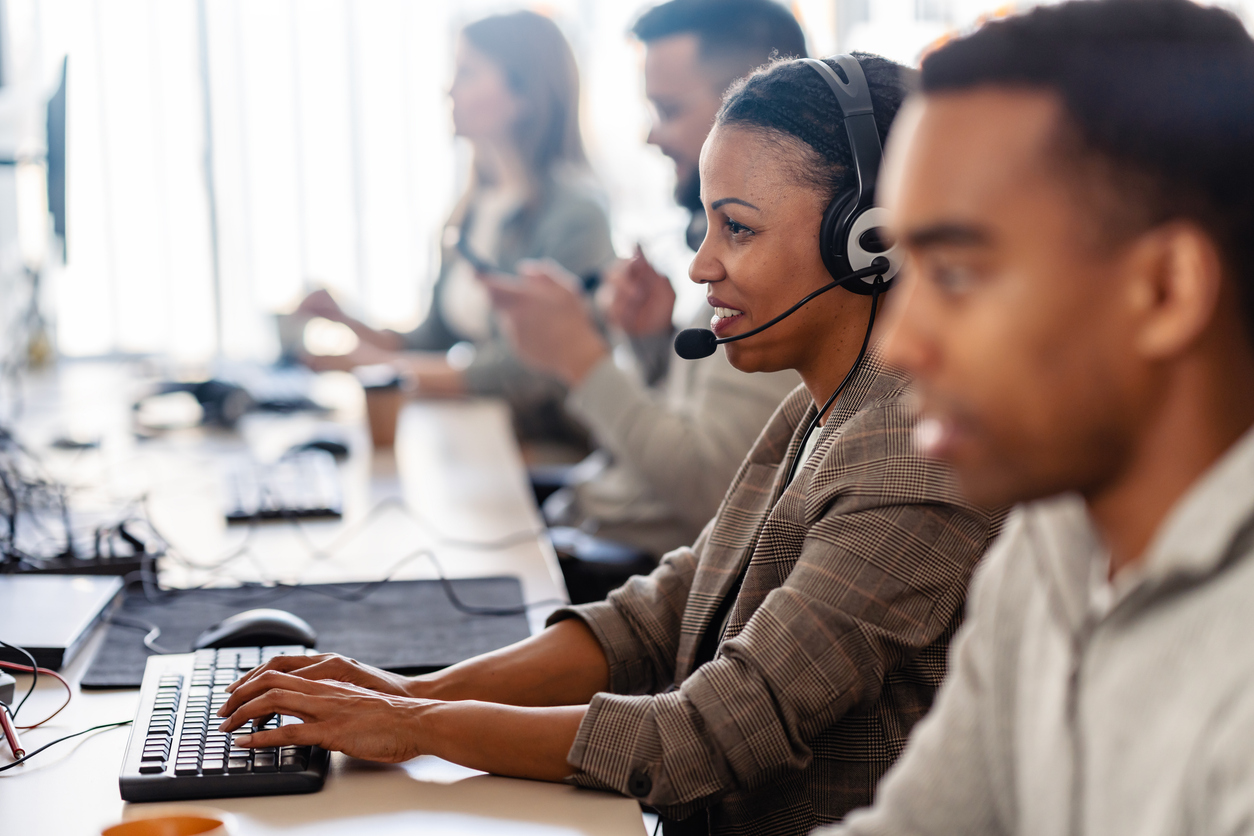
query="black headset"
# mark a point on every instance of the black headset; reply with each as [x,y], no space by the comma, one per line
[852,234]
[855,248]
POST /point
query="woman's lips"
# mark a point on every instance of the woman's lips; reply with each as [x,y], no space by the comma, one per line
[723,319]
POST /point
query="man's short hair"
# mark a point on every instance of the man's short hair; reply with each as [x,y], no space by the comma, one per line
[734,36]
[1158,98]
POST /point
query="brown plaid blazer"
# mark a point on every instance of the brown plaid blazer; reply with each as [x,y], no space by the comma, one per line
[836,641]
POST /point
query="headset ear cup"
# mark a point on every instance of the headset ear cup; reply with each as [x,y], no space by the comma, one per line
[863,247]
[832,234]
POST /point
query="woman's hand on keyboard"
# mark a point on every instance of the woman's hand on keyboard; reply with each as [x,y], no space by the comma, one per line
[326,666]
[522,741]
[334,715]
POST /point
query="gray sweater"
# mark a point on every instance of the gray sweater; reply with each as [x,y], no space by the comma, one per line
[1076,706]
[567,223]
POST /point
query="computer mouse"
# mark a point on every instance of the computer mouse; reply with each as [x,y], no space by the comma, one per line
[260,627]
[336,448]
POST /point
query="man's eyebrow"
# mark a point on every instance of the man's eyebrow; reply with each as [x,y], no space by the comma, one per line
[726,200]
[951,234]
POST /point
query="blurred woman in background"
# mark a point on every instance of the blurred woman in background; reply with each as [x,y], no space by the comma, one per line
[515,96]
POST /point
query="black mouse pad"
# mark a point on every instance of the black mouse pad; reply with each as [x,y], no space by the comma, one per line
[404,626]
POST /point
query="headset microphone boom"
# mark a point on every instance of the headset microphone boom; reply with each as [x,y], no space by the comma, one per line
[695,343]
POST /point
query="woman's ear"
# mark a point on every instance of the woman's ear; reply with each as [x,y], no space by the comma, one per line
[1175,277]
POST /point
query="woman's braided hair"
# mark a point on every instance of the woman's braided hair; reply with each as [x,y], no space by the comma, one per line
[786,100]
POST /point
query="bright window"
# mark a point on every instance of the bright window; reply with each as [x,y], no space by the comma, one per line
[330,147]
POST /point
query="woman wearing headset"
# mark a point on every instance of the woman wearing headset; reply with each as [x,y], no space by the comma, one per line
[763,680]
[515,97]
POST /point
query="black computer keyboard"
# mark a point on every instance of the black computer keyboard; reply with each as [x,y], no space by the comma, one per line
[303,484]
[175,750]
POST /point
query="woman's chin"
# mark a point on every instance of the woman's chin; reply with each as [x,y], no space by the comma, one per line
[746,359]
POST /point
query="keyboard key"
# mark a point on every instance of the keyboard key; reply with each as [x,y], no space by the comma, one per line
[186,768]
[292,761]
[265,763]
[212,765]
[237,765]
[151,768]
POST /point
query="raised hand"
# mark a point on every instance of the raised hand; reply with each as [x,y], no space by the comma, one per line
[546,320]
[323,304]
[635,298]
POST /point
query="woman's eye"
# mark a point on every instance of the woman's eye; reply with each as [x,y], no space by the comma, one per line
[737,228]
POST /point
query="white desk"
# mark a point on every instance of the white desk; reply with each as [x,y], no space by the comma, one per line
[457,465]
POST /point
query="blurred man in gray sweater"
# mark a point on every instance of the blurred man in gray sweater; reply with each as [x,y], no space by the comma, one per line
[671,432]
[1076,190]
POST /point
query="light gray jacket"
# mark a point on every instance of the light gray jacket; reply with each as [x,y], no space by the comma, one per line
[1075,706]
[670,449]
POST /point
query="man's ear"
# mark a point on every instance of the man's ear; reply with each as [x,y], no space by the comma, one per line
[1175,278]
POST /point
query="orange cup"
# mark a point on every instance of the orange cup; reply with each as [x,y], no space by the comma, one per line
[193,823]
[384,399]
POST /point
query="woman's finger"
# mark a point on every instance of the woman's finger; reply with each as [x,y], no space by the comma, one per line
[275,701]
[268,681]
[296,734]
[280,663]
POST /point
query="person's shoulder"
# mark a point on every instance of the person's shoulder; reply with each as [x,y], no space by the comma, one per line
[868,443]
[868,455]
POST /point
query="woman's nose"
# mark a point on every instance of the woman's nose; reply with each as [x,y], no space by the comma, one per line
[706,266]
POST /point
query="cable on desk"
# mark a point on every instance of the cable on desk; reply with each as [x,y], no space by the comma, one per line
[30,755]
[363,590]
[33,499]
[150,640]
[34,677]
[346,536]
[268,593]
[275,590]
[69,692]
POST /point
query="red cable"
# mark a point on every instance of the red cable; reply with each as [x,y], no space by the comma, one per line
[69,692]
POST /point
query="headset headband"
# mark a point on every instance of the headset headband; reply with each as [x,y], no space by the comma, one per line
[853,97]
